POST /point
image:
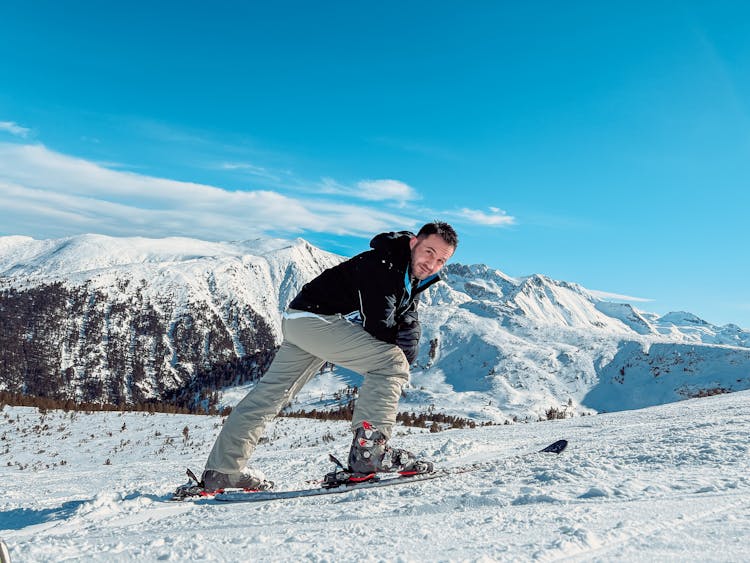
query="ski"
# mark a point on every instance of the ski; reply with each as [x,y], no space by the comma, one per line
[380,480]
[263,496]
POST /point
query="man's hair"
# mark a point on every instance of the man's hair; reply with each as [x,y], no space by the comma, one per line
[442,229]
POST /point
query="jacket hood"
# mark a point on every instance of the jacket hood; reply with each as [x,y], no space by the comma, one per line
[393,242]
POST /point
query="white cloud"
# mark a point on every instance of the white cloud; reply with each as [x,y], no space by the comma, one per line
[605,295]
[252,169]
[49,194]
[14,129]
[381,190]
[495,218]
[371,190]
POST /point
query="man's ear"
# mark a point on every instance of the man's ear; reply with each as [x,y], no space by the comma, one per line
[413,242]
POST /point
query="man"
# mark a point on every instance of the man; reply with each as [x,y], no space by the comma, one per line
[361,315]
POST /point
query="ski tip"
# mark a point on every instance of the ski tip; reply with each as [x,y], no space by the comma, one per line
[555,447]
[4,553]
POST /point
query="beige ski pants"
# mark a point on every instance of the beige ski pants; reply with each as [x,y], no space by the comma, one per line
[309,341]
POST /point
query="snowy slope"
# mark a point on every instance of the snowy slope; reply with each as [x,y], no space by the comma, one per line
[668,483]
[133,319]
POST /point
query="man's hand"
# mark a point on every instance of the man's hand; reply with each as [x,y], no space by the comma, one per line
[408,339]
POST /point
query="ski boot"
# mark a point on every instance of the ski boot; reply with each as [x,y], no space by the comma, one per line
[213,482]
[248,479]
[369,455]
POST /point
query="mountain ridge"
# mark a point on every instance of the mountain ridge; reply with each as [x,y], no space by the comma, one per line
[94,317]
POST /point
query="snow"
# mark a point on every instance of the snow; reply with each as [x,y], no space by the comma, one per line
[666,483]
[663,483]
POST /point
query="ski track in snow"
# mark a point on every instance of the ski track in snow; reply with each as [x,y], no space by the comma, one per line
[668,483]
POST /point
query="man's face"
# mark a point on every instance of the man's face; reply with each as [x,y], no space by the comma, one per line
[428,255]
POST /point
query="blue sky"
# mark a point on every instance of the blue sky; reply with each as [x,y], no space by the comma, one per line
[606,144]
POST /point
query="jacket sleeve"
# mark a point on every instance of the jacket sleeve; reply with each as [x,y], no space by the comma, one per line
[409,332]
[380,287]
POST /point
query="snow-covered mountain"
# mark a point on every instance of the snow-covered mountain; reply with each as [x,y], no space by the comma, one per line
[131,319]
[524,346]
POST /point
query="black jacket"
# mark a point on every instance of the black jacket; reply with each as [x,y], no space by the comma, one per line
[377,285]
